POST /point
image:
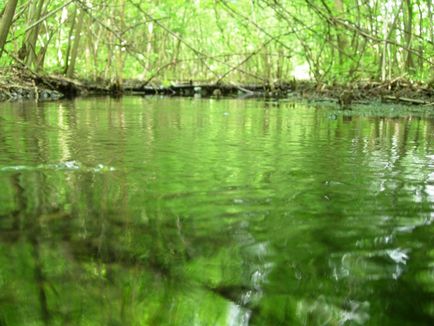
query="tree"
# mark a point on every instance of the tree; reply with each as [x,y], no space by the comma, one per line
[75,45]
[6,22]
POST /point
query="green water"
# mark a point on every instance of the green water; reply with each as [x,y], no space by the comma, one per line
[202,212]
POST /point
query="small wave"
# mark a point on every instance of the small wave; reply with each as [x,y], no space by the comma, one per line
[398,256]
[62,166]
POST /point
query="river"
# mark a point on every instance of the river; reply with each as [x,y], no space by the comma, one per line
[156,211]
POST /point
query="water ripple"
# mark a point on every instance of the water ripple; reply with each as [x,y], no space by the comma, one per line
[62,166]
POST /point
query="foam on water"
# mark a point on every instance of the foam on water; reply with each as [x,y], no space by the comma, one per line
[62,166]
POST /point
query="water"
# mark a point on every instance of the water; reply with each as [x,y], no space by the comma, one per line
[201,212]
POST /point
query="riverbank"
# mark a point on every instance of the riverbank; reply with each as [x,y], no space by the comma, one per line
[17,84]
[398,90]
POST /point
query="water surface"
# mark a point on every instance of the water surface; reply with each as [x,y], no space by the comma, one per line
[148,211]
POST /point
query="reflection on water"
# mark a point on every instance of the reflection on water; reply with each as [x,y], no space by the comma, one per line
[202,212]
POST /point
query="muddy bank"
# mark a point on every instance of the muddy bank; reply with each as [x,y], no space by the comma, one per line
[18,84]
[398,90]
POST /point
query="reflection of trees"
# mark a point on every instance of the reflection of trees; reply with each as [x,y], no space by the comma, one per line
[272,205]
[344,197]
[92,252]
[104,248]
[86,248]
[29,206]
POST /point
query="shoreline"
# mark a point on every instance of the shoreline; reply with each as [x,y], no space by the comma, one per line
[18,84]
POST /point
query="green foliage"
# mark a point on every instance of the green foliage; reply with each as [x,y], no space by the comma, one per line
[248,41]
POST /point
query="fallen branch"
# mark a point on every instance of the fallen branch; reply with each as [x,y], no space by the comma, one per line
[242,89]
[407,100]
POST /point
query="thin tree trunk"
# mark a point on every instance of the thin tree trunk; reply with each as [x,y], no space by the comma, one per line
[421,46]
[387,35]
[75,46]
[430,19]
[107,70]
[149,46]
[32,35]
[408,30]
[6,22]
[69,46]
[342,41]
[120,51]
[94,41]
[431,32]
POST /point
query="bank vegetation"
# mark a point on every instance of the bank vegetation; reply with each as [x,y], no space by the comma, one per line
[360,48]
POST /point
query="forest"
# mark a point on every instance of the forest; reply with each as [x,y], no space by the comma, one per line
[357,43]
[216,162]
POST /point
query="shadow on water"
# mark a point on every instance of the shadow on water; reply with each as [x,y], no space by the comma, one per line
[180,212]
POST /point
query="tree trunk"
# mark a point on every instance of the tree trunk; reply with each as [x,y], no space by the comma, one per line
[120,53]
[75,45]
[32,35]
[342,41]
[93,44]
[430,19]
[69,46]
[6,22]
[408,33]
